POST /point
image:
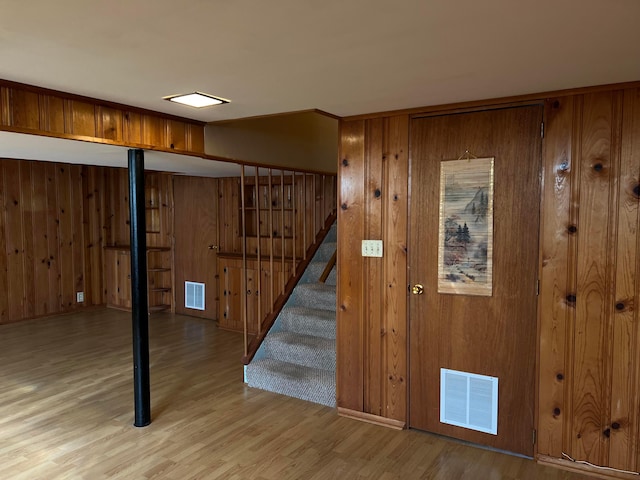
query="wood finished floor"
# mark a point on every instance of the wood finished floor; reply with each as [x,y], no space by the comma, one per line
[66,412]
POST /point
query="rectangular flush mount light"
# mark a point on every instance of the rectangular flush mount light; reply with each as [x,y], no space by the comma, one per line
[196,99]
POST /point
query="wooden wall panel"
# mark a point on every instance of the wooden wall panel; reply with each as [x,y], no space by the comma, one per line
[52,225]
[553,306]
[80,118]
[51,114]
[589,381]
[372,302]
[373,268]
[14,240]
[396,166]
[351,230]
[625,347]
[24,108]
[4,284]
[27,238]
[93,181]
[42,260]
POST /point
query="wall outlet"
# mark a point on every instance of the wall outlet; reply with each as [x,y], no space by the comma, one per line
[372,248]
[80,297]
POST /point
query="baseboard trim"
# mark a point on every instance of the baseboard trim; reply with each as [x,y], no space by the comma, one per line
[583,469]
[370,418]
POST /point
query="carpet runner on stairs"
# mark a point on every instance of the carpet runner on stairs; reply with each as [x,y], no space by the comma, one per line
[298,355]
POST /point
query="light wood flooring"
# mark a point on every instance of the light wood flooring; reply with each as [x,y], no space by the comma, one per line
[66,412]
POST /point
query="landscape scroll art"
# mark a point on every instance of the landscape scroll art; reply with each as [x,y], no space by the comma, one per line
[465,246]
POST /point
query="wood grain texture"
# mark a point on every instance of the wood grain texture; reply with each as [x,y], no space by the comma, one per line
[196,228]
[373,269]
[66,409]
[351,230]
[552,302]
[495,335]
[396,204]
[593,295]
[624,352]
[27,109]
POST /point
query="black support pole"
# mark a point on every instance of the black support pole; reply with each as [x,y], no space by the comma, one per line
[140,306]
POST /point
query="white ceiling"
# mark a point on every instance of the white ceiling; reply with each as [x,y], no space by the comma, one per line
[345,57]
[34,147]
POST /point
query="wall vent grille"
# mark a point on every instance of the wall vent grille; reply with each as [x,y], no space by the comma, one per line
[194,295]
[468,400]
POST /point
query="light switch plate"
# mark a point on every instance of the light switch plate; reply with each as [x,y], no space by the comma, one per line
[372,248]
[79,297]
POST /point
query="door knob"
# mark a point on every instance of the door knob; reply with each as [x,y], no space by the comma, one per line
[213,247]
[417,289]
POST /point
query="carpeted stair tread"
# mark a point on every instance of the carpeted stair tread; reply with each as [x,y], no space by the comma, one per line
[307,321]
[315,270]
[314,295]
[325,252]
[306,350]
[306,383]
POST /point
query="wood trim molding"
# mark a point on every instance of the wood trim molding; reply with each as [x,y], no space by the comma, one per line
[600,472]
[501,102]
[370,418]
[96,101]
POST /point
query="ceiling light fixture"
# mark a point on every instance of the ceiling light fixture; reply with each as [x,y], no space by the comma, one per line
[196,99]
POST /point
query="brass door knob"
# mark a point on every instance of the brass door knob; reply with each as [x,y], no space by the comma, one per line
[417,289]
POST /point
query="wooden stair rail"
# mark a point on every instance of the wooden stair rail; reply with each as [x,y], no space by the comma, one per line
[270,319]
[328,268]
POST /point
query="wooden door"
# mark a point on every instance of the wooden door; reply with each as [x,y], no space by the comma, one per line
[196,241]
[485,335]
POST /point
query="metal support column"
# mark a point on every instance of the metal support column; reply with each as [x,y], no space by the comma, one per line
[140,306]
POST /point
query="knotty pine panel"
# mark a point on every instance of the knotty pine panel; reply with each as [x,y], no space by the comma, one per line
[24,110]
[80,118]
[351,230]
[592,300]
[5,102]
[373,268]
[176,135]
[4,280]
[65,239]
[51,114]
[625,351]
[154,130]
[109,123]
[14,239]
[26,203]
[93,191]
[552,304]
[42,246]
[53,233]
[395,229]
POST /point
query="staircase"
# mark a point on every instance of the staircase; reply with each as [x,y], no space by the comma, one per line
[298,355]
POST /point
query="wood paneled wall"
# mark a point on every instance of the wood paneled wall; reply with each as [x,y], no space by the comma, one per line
[55,220]
[27,109]
[589,338]
[588,394]
[42,253]
[372,303]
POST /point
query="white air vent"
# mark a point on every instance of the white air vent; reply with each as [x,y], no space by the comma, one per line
[469,400]
[194,295]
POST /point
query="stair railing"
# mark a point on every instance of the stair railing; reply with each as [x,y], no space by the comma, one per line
[286,214]
[328,268]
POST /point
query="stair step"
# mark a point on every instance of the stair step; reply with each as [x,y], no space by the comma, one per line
[313,272]
[305,350]
[324,252]
[332,234]
[314,295]
[306,383]
[307,321]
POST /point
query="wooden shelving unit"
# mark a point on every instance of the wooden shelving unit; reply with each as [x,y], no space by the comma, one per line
[261,201]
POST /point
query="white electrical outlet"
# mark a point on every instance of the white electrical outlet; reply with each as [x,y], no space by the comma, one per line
[372,248]
[80,297]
